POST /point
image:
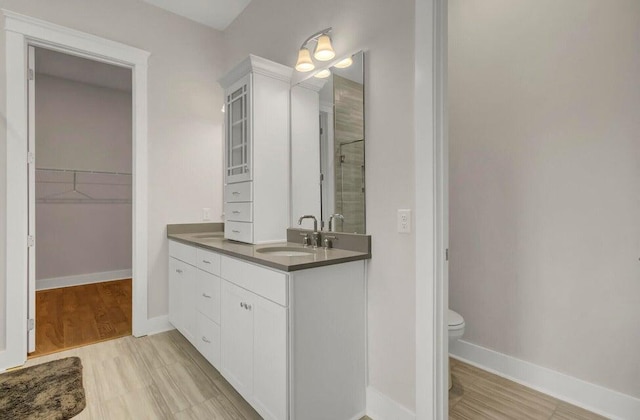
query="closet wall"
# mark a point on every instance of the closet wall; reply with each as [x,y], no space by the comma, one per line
[82,127]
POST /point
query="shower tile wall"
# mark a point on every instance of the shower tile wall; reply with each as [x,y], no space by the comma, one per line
[349,153]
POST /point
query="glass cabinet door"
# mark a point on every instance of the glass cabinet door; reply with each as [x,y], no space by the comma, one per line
[237,141]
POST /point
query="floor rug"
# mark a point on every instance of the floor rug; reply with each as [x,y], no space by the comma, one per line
[51,391]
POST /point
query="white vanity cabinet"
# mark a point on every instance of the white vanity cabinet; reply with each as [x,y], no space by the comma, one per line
[256,193]
[291,343]
[254,335]
[194,297]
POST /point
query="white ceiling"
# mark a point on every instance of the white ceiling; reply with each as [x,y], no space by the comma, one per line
[215,13]
[82,70]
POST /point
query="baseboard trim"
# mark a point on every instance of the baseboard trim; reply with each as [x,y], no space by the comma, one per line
[381,407]
[77,280]
[595,398]
[157,325]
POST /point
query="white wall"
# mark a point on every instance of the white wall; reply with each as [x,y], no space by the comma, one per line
[85,127]
[545,182]
[274,30]
[185,122]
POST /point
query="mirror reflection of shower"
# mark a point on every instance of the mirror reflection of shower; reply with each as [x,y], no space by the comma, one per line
[350,190]
[342,148]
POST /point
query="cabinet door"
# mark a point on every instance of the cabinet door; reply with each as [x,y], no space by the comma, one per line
[188,302]
[238,131]
[237,337]
[176,273]
[270,358]
[182,304]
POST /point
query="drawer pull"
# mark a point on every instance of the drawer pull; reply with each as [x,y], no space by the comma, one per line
[248,307]
[178,271]
[206,262]
[235,193]
[206,295]
[205,339]
[235,231]
[235,212]
[242,304]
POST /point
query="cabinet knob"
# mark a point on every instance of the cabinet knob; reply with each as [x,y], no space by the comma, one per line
[242,304]
[206,295]
[178,271]
[205,339]
[206,262]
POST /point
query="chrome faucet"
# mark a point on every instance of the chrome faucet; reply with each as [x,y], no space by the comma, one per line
[315,236]
[336,216]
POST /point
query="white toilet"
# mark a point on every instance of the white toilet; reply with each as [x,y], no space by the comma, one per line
[456,330]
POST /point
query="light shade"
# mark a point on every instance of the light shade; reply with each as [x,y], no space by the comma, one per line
[304,63]
[343,64]
[324,50]
[323,74]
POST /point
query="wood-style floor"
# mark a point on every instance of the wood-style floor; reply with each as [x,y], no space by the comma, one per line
[164,377]
[478,394]
[75,316]
[154,377]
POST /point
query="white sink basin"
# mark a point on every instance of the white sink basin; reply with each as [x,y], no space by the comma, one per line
[286,251]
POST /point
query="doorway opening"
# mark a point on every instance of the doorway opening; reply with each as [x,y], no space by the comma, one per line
[80,200]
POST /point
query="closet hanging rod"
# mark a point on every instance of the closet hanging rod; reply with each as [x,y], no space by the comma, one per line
[83,171]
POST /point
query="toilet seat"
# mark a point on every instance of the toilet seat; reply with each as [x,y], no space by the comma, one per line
[455,321]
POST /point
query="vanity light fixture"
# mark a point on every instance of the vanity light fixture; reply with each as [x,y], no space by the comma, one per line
[304,63]
[323,74]
[343,64]
[323,52]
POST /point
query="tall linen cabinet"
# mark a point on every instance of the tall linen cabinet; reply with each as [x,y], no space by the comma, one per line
[256,193]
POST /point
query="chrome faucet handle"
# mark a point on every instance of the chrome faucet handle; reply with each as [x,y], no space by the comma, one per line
[305,239]
[334,216]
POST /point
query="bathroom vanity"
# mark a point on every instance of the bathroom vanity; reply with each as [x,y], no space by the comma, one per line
[284,323]
[288,332]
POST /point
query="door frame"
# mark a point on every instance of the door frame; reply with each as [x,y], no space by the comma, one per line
[21,31]
[431,198]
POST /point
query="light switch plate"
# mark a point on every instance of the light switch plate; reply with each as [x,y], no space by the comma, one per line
[404,221]
[206,214]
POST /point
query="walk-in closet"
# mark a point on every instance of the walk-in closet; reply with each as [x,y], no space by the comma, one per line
[81,120]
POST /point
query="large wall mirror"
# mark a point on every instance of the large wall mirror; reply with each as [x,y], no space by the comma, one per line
[328,145]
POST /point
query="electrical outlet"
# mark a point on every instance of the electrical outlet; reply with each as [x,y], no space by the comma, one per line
[404,221]
[206,214]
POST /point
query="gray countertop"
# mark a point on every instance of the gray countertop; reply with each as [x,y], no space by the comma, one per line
[248,252]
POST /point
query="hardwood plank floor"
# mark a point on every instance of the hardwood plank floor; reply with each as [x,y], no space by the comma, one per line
[75,316]
[478,394]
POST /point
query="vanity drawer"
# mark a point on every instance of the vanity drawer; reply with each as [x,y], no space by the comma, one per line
[208,339]
[242,191]
[239,231]
[208,295]
[182,252]
[208,261]
[238,212]
[264,282]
